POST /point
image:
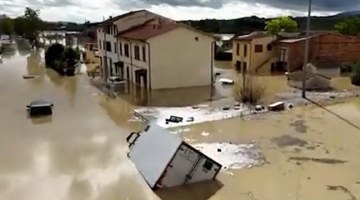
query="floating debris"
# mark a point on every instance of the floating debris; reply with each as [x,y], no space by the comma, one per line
[29,76]
[343,189]
[205,134]
[233,156]
[319,160]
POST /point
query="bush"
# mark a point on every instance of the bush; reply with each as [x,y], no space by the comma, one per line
[53,53]
[250,92]
[355,78]
[62,60]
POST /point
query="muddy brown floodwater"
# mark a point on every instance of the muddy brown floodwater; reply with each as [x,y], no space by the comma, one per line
[80,153]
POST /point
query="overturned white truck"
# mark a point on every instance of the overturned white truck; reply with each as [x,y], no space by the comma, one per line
[165,160]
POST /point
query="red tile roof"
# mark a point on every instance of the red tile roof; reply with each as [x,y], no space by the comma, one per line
[148,30]
[152,28]
[251,36]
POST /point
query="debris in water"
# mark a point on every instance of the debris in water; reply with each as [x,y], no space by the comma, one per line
[204,133]
[287,140]
[278,106]
[190,119]
[174,119]
[319,160]
[343,189]
[233,156]
[28,76]
[226,108]
[290,106]
[258,107]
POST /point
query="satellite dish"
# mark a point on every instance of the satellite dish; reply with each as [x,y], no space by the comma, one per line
[219,43]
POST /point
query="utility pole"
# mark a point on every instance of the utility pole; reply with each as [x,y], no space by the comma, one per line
[306,56]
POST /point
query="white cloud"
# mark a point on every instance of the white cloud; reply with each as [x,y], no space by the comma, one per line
[94,10]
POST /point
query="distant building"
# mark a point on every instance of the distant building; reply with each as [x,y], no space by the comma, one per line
[259,52]
[253,52]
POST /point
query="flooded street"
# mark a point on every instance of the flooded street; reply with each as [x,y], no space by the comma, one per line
[308,153]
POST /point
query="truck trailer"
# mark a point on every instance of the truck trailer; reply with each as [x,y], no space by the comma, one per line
[165,160]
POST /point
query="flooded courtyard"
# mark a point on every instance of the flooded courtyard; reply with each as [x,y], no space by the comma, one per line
[80,153]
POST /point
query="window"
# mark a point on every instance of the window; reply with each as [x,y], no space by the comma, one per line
[126,46]
[245,50]
[144,53]
[258,48]
[107,29]
[120,49]
[137,52]
[283,55]
[104,44]
[237,49]
[208,165]
[101,61]
[115,47]
[269,47]
[108,46]
[99,44]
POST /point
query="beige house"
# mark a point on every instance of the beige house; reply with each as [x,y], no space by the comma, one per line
[107,40]
[157,53]
[253,52]
[161,54]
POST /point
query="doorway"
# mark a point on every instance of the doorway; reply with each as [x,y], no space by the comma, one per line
[141,76]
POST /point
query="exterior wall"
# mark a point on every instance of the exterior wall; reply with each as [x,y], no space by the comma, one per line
[177,59]
[340,48]
[330,47]
[254,60]
[130,62]
[110,55]
[241,57]
[261,60]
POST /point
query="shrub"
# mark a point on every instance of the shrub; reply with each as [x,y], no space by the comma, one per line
[53,53]
[355,78]
[250,92]
[62,60]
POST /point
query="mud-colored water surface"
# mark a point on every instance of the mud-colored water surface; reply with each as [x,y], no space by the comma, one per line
[80,153]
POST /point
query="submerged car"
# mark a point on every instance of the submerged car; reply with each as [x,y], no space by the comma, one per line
[115,80]
[40,108]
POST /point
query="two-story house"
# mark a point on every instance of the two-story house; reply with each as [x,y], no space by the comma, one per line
[107,40]
[161,54]
[254,53]
[156,52]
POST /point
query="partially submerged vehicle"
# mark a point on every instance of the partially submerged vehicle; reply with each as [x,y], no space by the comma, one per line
[165,160]
[40,108]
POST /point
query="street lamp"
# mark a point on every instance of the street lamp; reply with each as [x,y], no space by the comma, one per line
[306,56]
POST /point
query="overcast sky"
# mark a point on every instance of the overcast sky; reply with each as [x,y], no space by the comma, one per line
[94,10]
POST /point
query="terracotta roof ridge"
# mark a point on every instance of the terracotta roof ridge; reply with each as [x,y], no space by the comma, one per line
[132,28]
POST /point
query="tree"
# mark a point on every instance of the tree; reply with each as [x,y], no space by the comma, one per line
[350,26]
[19,26]
[281,24]
[6,26]
[33,24]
